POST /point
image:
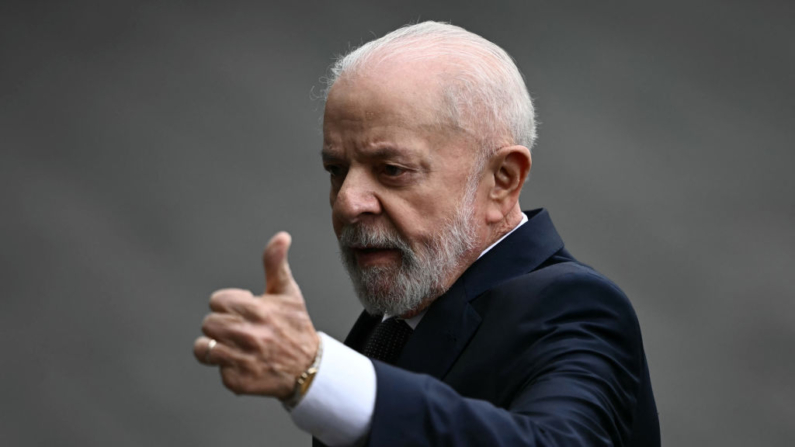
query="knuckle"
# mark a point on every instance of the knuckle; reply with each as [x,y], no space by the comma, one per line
[207,323]
[216,299]
[227,291]
[247,338]
[220,296]
[265,337]
[263,313]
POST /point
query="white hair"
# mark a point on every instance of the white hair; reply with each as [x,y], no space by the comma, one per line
[484,92]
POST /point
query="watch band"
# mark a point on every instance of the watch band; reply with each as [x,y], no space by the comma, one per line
[304,381]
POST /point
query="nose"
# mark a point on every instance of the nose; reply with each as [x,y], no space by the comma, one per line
[356,198]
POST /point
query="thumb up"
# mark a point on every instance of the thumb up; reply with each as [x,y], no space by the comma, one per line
[278,277]
[260,343]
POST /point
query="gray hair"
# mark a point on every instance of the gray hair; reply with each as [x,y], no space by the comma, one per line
[484,92]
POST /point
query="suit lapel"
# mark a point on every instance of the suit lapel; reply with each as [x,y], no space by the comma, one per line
[441,334]
[521,252]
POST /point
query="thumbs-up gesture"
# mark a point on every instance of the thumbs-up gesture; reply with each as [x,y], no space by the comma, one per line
[261,343]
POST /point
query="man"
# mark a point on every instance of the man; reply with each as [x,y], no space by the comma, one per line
[479,327]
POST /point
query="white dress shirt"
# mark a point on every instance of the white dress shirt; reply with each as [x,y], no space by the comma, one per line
[338,407]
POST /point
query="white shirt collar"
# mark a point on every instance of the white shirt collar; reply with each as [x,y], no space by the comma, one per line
[415,320]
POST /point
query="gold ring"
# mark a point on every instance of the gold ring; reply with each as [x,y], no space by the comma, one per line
[210,347]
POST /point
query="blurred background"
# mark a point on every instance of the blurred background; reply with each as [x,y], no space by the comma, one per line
[151,148]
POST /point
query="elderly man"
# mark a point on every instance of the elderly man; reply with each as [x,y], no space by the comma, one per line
[479,327]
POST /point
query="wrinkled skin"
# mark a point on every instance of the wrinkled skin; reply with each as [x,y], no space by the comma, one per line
[263,342]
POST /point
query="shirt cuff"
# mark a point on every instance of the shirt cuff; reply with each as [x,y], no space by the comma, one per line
[338,407]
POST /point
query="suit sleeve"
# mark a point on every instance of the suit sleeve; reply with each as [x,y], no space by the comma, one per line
[580,367]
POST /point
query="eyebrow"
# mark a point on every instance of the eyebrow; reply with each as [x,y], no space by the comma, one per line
[381,153]
[329,156]
[386,153]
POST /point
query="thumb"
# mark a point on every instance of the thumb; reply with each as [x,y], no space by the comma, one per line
[278,277]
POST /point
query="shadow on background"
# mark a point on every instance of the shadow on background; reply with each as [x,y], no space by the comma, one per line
[150,149]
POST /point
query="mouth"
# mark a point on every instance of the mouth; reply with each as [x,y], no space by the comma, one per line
[373,256]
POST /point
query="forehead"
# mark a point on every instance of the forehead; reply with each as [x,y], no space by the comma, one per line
[396,104]
[406,94]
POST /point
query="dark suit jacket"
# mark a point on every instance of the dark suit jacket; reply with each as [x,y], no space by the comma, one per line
[528,348]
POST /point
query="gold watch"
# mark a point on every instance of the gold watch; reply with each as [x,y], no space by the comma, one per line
[304,381]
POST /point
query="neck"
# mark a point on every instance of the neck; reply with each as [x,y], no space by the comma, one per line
[504,226]
[498,230]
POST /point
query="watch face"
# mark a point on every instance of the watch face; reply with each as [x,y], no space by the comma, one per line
[306,379]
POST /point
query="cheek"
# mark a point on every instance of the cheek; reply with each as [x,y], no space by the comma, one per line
[435,206]
[414,221]
[431,215]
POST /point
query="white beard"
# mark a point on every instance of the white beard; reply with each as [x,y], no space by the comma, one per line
[421,275]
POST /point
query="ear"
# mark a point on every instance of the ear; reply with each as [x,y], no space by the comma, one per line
[509,167]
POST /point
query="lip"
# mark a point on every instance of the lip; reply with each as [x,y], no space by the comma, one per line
[368,257]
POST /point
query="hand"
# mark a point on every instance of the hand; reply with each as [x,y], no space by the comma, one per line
[263,342]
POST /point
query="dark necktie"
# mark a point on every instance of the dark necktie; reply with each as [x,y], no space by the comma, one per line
[387,340]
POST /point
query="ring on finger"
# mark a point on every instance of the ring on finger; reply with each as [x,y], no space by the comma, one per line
[210,347]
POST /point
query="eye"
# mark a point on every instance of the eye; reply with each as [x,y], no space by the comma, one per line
[393,171]
[334,170]
[336,175]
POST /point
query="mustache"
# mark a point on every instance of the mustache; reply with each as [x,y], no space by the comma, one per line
[361,236]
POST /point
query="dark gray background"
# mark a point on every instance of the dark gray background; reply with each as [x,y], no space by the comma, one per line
[150,149]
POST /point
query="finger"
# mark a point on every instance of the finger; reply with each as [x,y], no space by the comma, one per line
[232,330]
[228,329]
[220,354]
[234,301]
[278,277]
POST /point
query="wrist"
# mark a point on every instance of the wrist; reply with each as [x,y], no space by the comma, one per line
[304,381]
